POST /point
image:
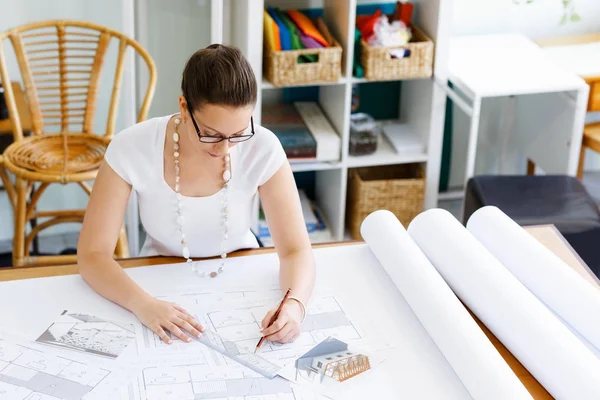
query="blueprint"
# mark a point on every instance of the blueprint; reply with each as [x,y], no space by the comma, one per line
[32,372]
[240,354]
[235,317]
[89,334]
[197,380]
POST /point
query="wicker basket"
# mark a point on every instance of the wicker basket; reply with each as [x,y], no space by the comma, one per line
[379,64]
[398,188]
[282,68]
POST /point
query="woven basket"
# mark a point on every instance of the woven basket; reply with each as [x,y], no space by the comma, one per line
[282,68]
[379,64]
[398,188]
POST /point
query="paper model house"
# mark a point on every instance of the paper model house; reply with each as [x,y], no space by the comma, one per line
[331,359]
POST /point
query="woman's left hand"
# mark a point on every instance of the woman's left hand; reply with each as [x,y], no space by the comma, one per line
[286,327]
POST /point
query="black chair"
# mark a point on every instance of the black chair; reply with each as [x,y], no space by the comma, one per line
[542,199]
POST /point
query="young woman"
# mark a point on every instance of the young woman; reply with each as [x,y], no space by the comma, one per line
[197,174]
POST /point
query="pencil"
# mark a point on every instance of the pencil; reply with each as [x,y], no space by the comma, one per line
[274,317]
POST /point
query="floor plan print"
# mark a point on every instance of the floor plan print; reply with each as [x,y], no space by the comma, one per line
[200,304]
[187,380]
[29,373]
[200,382]
[242,355]
[325,318]
[238,319]
[89,334]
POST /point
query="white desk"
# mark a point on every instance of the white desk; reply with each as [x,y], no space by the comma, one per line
[581,55]
[583,58]
[416,368]
[420,374]
[511,65]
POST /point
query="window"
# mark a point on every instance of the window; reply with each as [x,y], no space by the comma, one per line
[319,364]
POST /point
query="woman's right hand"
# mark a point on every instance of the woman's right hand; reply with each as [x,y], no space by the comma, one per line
[160,315]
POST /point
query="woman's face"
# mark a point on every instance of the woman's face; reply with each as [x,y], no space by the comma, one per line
[218,121]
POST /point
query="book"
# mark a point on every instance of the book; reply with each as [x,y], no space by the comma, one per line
[289,127]
[315,223]
[327,139]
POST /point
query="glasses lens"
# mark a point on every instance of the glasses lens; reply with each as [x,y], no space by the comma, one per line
[210,139]
[237,139]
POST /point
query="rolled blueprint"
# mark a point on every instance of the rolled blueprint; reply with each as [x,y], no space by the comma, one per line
[532,333]
[476,362]
[575,300]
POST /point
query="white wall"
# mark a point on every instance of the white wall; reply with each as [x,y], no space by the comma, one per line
[171,34]
[107,12]
[540,19]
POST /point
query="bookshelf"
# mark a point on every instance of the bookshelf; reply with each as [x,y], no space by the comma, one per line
[421,101]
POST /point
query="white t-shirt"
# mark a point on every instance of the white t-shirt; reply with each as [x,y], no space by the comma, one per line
[137,155]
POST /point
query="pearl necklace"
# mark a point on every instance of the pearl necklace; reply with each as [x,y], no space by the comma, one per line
[224,220]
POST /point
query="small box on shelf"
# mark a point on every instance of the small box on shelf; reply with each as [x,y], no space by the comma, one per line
[364,134]
[299,50]
[383,142]
[391,47]
[403,140]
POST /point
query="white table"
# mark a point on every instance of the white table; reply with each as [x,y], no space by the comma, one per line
[508,65]
[581,58]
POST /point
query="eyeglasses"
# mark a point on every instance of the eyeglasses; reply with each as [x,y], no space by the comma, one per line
[217,139]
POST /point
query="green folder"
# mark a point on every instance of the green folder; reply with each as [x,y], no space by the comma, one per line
[295,39]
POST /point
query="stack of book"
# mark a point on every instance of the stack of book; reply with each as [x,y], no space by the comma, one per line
[304,132]
[313,218]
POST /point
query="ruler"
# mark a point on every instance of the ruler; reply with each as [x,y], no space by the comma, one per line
[239,354]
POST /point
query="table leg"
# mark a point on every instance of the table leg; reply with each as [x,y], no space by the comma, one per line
[473,136]
[577,133]
[510,109]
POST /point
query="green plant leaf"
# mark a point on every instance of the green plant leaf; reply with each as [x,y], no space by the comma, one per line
[575,17]
[564,19]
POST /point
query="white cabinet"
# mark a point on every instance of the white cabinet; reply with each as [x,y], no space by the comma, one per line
[422,101]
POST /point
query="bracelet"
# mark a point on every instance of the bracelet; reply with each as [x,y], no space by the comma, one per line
[301,306]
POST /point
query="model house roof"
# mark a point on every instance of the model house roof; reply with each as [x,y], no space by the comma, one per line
[327,346]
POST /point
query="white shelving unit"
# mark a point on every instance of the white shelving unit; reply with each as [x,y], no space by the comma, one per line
[422,101]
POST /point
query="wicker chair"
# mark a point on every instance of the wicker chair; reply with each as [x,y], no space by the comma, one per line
[60,63]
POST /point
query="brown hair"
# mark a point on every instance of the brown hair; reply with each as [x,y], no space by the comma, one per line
[218,74]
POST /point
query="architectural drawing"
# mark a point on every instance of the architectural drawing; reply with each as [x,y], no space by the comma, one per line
[89,334]
[188,381]
[240,321]
[235,318]
[239,354]
[203,303]
[30,372]
[325,318]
